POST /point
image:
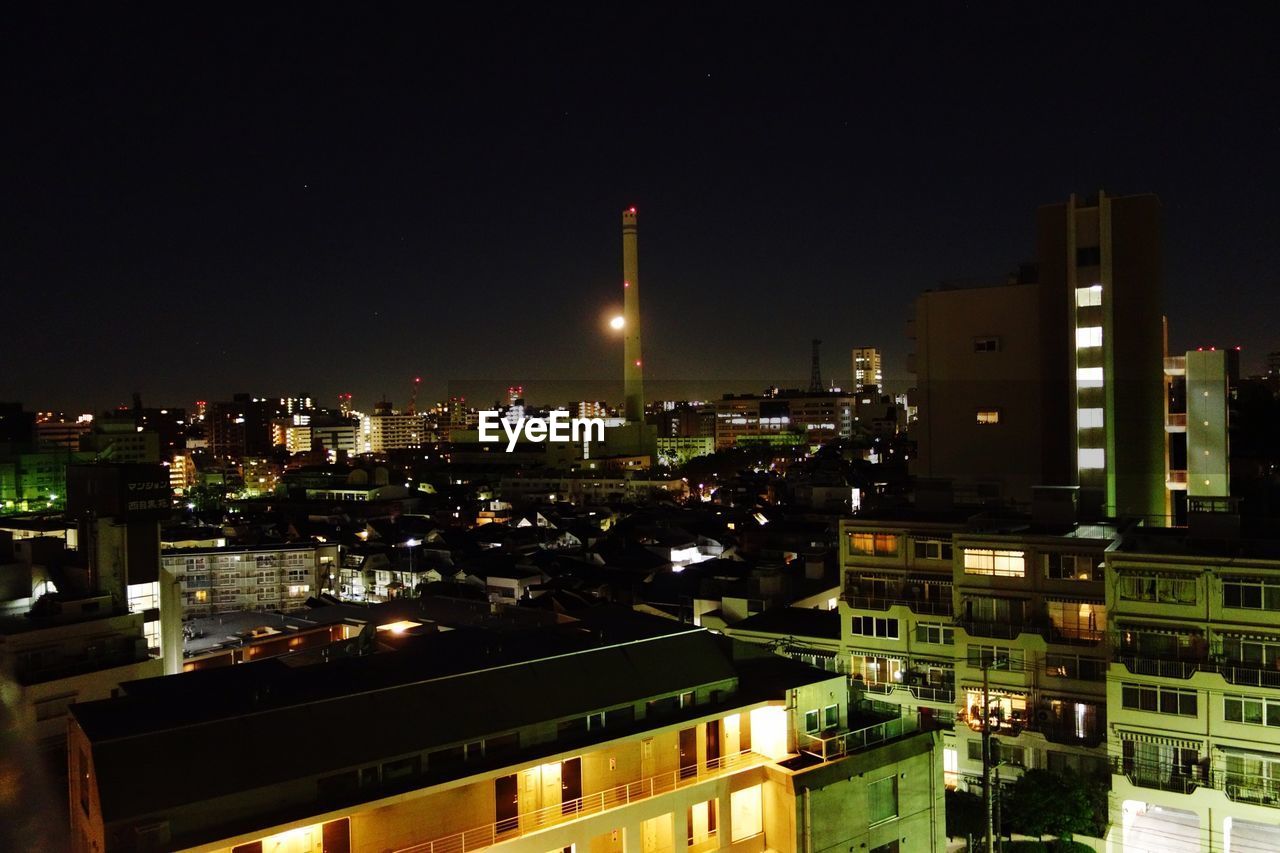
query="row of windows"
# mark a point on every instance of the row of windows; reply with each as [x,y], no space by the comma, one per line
[996,657]
[829,719]
[1075,666]
[1250,594]
[1254,710]
[1161,700]
[1164,590]
[874,626]
[936,633]
[873,544]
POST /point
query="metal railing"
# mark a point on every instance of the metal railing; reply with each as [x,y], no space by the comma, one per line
[1232,672]
[839,744]
[1244,788]
[1000,630]
[489,834]
[924,606]
[1162,777]
[1175,419]
[933,693]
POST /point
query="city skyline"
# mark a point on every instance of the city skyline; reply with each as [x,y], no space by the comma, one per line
[344,216]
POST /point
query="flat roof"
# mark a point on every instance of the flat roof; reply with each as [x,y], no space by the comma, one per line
[255,725]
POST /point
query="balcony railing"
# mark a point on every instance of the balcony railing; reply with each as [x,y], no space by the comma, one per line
[1175,421]
[1065,733]
[1231,671]
[588,804]
[933,692]
[1175,365]
[1161,777]
[829,747]
[1001,630]
[1247,788]
[922,606]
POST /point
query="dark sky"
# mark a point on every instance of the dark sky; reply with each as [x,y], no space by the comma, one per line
[298,199]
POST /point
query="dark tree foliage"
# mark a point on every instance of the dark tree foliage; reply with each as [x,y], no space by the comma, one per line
[1047,803]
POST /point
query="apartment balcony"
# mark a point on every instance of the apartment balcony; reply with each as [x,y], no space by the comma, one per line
[1176,480]
[830,745]
[921,606]
[1063,732]
[1003,630]
[924,692]
[1175,422]
[1248,788]
[1161,777]
[618,796]
[1175,365]
[1231,671]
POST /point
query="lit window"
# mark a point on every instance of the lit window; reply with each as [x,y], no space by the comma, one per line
[1089,418]
[1092,457]
[1087,297]
[988,416]
[985,561]
[1089,377]
[1088,336]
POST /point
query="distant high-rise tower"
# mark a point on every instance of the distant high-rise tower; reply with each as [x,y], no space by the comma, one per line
[866,367]
[633,361]
[815,369]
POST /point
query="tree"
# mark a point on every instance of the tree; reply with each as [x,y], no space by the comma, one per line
[965,815]
[1046,803]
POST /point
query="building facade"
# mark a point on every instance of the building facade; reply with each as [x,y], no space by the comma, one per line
[673,743]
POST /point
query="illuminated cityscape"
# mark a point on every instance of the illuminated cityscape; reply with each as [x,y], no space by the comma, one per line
[940,510]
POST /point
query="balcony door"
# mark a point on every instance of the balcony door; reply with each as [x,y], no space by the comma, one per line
[506,798]
[570,785]
[713,744]
[688,753]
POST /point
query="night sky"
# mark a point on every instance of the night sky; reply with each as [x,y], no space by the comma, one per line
[337,201]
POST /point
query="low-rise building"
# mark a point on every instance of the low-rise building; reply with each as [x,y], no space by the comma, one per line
[276,576]
[678,742]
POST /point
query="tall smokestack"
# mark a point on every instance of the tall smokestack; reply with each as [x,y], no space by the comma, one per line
[633,362]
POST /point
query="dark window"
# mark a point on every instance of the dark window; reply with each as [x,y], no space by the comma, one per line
[1088,256]
[403,768]
[337,785]
[571,728]
[502,744]
[620,716]
[986,345]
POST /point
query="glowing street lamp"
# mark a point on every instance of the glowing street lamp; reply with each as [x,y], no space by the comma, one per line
[617,322]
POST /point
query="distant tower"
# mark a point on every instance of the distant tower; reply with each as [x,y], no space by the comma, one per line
[815,372]
[633,362]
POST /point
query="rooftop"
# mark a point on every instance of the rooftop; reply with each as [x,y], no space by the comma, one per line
[228,722]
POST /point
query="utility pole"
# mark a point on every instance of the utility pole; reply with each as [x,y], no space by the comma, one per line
[987,793]
[986,754]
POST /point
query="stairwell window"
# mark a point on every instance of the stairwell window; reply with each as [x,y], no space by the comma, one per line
[882,800]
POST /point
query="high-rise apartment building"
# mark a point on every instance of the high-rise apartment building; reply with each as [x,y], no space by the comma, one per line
[866,368]
[1061,367]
